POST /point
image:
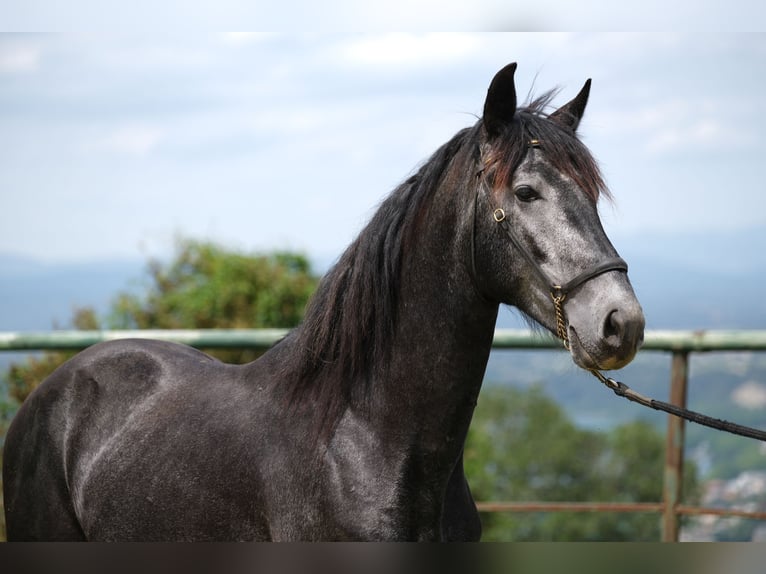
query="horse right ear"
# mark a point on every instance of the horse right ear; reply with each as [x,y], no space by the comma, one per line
[500,105]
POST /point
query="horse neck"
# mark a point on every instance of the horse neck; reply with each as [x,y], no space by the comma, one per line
[397,334]
[444,331]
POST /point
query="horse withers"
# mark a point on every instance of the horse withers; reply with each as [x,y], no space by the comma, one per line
[353,426]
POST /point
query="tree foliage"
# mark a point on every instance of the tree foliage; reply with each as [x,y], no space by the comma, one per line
[207,287]
[523,447]
[203,286]
[22,378]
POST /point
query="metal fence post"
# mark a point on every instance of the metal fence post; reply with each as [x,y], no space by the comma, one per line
[674,449]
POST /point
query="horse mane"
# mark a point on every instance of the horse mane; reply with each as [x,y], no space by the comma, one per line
[344,341]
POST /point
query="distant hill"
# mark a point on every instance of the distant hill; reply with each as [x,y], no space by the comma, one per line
[39,296]
[684,282]
[692,281]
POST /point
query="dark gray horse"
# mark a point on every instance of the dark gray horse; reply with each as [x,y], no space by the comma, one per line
[353,426]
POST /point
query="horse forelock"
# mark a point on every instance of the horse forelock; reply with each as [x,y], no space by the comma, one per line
[560,145]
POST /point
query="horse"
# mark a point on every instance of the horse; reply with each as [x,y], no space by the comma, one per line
[352,427]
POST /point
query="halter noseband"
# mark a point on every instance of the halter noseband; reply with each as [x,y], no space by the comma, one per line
[558,292]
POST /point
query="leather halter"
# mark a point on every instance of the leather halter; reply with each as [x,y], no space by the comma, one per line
[558,291]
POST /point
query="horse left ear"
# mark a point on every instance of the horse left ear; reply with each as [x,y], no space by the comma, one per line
[500,105]
[570,114]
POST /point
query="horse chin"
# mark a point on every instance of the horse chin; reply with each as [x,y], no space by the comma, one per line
[589,358]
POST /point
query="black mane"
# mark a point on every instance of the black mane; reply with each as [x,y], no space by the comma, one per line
[345,336]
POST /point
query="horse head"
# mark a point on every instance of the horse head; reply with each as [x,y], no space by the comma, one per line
[540,245]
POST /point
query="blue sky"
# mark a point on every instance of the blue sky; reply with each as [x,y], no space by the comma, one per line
[112,145]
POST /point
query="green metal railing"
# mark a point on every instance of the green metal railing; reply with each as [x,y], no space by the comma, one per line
[679,343]
[671,341]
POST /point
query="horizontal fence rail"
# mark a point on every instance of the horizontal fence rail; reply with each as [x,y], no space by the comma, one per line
[679,343]
[201,338]
[670,341]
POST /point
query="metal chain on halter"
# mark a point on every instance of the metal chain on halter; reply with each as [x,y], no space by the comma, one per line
[561,322]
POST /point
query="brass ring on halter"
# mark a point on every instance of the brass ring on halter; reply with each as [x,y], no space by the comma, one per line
[499,215]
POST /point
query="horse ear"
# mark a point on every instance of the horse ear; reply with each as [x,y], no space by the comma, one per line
[570,114]
[500,105]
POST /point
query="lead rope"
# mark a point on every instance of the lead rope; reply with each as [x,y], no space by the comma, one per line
[623,390]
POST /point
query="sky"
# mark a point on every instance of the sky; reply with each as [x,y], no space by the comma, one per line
[112,145]
[339,15]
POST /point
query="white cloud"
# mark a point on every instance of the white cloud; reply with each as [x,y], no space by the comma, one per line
[679,124]
[19,58]
[409,49]
[244,38]
[703,133]
[136,140]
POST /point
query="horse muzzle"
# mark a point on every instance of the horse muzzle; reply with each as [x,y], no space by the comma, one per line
[606,325]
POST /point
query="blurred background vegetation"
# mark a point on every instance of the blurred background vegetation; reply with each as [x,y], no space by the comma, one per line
[521,446]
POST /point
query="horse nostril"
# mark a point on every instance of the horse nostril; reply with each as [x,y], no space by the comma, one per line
[614,327]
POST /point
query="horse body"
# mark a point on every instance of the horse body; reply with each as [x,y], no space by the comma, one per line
[353,426]
[171,444]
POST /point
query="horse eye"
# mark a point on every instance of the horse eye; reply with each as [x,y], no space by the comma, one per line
[526,194]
